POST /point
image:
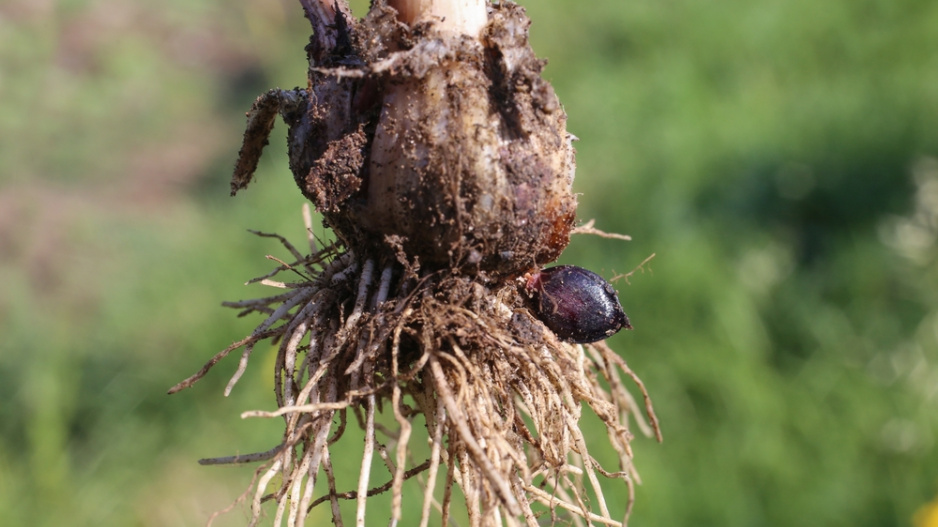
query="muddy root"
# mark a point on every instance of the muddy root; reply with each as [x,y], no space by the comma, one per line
[460,364]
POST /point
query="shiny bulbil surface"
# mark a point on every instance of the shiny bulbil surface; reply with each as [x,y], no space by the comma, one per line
[576,304]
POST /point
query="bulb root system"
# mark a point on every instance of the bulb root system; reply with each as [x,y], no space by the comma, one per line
[500,397]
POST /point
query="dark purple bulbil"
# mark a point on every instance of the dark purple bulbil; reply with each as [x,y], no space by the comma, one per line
[577,305]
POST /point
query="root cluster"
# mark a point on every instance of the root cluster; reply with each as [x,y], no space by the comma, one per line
[500,396]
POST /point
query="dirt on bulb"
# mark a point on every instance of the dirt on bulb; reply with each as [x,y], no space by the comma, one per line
[454,143]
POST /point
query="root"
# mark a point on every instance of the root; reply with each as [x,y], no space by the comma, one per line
[588,228]
[500,395]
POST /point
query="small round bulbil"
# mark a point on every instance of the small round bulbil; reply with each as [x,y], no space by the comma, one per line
[577,304]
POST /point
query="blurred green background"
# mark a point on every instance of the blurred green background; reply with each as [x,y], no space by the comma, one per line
[780,157]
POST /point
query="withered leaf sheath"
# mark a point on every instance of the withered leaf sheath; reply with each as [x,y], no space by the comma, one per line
[453,143]
[576,304]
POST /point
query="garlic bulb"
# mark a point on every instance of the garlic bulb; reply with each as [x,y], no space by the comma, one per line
[470,160]
[427,136]
[440,134]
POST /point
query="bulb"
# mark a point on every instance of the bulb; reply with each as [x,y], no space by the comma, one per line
[443,136]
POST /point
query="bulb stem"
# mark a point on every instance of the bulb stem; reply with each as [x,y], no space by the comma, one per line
[461,17]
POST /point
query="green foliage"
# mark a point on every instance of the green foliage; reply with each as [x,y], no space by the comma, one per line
[778,157]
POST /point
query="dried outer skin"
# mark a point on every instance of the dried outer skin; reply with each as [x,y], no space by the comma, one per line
[454,144]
